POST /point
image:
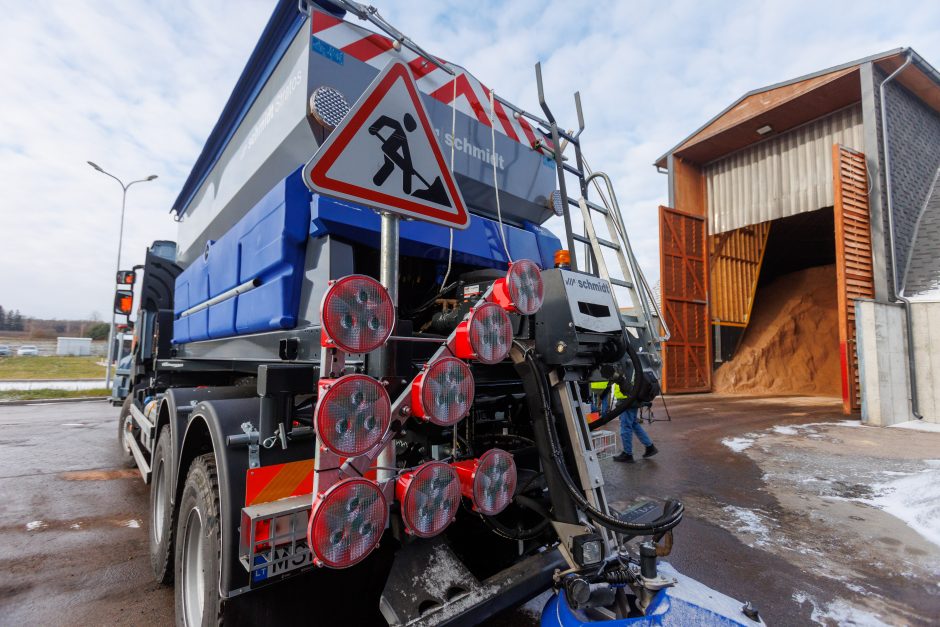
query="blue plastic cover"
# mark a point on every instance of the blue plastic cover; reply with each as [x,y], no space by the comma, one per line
[267,244]
[478,245]
[270,241]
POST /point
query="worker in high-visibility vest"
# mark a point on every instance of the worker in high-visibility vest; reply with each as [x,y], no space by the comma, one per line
[629,425]
[599,390]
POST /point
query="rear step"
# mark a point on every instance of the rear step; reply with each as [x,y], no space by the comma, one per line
[142,465]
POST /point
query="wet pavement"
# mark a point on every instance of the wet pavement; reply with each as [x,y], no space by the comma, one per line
[787,517]
[73,526]
[784,518]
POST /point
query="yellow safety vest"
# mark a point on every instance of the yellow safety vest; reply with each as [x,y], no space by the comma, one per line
[600,386]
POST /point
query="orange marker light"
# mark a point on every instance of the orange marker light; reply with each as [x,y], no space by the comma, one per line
[562,258]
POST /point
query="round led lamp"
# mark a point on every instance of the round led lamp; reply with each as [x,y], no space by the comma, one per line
[486,336]
[328,106]
[353,413]
[489,481]
[522,290]
[347,522]
[429,498]
[442,394]
[357,314]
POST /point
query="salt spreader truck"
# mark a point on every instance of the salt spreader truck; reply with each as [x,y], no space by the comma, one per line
[360,379]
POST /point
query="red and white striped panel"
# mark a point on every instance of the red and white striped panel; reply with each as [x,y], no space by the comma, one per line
[473,98]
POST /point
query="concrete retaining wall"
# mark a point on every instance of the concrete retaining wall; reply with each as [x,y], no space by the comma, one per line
[883,361]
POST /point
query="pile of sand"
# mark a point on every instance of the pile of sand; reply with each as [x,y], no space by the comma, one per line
[791,345]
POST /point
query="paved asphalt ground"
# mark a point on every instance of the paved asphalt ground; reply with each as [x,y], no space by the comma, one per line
[73,526]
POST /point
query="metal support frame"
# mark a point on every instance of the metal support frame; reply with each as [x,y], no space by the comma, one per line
[589,469]
[381,362]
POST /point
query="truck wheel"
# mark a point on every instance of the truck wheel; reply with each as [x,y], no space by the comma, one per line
[161,511]
[198,545]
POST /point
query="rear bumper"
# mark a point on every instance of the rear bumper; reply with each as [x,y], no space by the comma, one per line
[453,596]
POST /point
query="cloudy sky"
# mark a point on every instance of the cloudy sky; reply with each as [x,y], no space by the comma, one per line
[137,86]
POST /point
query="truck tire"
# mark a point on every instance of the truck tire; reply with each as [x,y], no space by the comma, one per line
[198,547]
[161,510]
[122,419]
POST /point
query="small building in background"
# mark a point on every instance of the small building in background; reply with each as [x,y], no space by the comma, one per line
[801,243]
[74,346]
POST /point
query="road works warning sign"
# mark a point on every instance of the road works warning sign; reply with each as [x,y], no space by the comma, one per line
[384,154]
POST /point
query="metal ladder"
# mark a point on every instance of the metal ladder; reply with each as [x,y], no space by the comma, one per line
[646,317]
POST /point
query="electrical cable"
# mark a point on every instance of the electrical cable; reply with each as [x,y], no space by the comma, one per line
[453,131]
[499,212]
[662,524]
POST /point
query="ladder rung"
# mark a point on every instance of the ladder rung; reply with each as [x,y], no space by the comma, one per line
[621,283]
[596,207]
[561,134]
[580,238]
[573,170]
[612,245]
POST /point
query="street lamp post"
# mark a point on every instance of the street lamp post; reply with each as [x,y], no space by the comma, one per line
[124,188]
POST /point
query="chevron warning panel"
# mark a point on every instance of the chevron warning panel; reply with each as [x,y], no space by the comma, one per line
[278,481]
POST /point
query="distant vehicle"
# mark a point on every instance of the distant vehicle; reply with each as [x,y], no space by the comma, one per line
[5,350]
[122,375]
[27,350]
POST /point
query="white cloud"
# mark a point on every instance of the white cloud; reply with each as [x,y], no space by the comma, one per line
[138,86]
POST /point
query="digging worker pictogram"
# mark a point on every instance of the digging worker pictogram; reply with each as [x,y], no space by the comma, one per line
[396,152]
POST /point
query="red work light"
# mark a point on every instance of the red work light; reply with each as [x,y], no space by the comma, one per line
[357,314]
[490,481]
[429,498]
[486,336]
[522,290]
[443,393]
[347,522]
[353,413]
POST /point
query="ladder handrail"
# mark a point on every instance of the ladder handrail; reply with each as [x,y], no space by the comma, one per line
[637,271]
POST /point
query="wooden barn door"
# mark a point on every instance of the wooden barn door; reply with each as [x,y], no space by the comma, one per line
[853,259]
[683,259]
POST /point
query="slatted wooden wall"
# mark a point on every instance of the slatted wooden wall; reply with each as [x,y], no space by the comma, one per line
[684,284]
[853,259]
[735,259]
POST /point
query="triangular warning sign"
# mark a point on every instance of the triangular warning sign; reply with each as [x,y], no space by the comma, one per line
[384,154]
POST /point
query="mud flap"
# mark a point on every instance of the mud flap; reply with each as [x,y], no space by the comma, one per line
[429,585]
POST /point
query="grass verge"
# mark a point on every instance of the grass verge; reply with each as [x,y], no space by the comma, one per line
[50,367]
[46,393]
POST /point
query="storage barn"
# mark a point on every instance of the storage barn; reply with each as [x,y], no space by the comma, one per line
[789,208]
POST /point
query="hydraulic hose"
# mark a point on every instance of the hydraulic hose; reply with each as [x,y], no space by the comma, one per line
[658,526]
[626,403]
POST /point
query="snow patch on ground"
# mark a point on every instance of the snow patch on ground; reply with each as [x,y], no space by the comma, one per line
[915,499]
[738,445]
[132,523]
[918,425]
[839,612]
[749,522]
[36,525]
[785,430]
